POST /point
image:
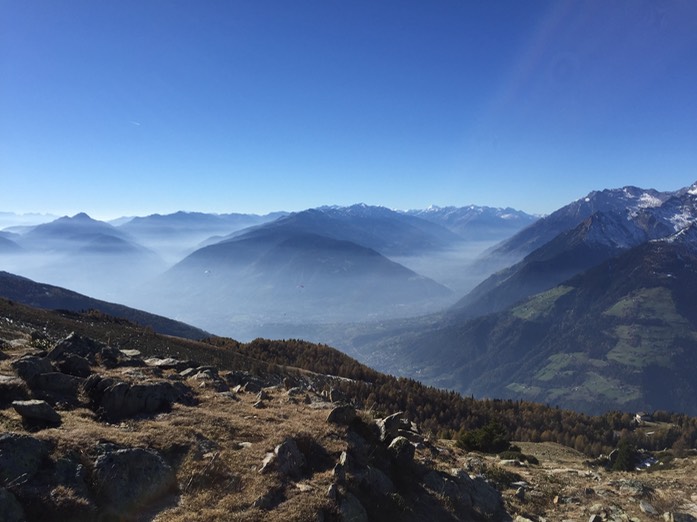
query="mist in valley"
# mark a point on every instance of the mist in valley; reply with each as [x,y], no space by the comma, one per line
[237,278]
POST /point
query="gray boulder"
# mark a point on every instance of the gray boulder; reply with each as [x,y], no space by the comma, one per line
[351,510]
[75,365]
[20,457]
[12,389]
[389,426]
[116,399]
[377,482]
[56,382]
[10,509]
[37,412]
[401,450]
[127,480]
[77,345]
[344,415]
[30,366]
[286,459]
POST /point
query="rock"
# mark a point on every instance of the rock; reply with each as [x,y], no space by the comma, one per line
[20,457]
[251,387]
[263,396]
[389,426]
[414,437]
[520,493]
[445,485]
[127,480]
[74,365]
[401,450]
[647,508]
[37,412]
[30,366]
[292,392]
[115,400]
[343,415]
[270,499]
[376,481]
[332,492]
[77,345]
[290,459]
[12,389]
[259,405]
[595,518]
[286,459]
[168,363]
[336,395]
[56,382]
[10,509]
[351,510]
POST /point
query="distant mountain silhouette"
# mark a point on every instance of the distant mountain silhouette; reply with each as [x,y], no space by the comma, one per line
[41,295]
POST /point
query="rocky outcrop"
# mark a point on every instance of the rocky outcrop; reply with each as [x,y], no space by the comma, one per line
[20,457]
[114,400]
[10,509]
[344,414]
[37,413]
[126,480]
[286,459]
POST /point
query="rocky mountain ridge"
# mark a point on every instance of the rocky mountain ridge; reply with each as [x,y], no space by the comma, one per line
[90,430]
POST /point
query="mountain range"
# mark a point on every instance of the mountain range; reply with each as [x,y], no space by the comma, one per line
[592,309]
[599,317]
[41,295]
[326,264]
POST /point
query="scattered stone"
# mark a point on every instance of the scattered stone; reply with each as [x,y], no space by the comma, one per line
[10,509]
[30,366]
[20,457]
[130,353]
[37,412]
[376,481]
[520,493]
[77,345]
[339,472]
[115,400]
[56,382]
[389,426]
[269,500]
[126,480]
[402,450]
[595,518]
[75,365]
[443,484]
[413,437]
[286,459]
[647,508]
[351,510]
[343,415]
[332,492]
[263,396]
[260,405]
[251,387]
[292,392]
[12,389]
[336,395]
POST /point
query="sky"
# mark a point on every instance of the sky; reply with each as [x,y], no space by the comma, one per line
[132,107]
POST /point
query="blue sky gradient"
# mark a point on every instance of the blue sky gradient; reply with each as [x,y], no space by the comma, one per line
[134,107]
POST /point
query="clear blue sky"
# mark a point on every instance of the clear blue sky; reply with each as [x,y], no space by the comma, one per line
[123,107]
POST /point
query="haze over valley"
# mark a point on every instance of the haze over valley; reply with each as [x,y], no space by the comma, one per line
[591,309]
